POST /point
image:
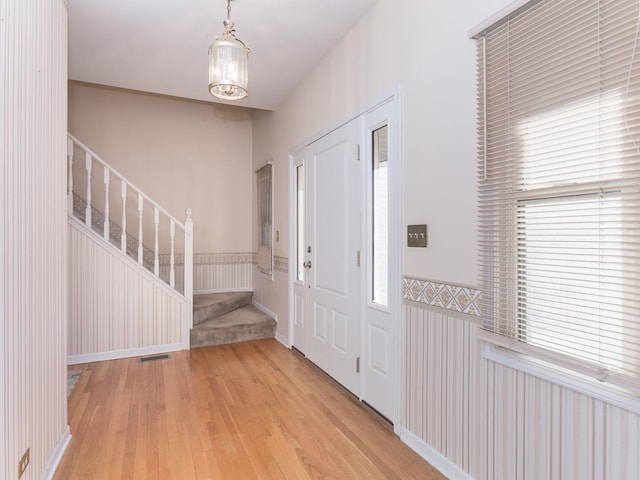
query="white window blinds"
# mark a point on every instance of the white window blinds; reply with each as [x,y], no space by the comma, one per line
[559,184]
[265,219]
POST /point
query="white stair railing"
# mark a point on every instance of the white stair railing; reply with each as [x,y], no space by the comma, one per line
[123,238]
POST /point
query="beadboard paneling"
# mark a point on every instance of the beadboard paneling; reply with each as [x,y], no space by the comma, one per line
[33,99]
[117,306]
[211,277]
[497,423]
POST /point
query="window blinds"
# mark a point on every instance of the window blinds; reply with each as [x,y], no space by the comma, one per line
[559,184]
[265,219]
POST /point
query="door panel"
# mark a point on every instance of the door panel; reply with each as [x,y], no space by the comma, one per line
[332,215]
[382,273]
[299,340]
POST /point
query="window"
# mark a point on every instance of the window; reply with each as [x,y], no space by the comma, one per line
[559,185]
[380,217]
[265,219]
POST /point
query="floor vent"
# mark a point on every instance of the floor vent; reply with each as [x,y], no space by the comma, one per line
[156,357]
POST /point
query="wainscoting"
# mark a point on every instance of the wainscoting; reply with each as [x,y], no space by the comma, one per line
[495,422]
[116,307]
[214,272]
[33,406]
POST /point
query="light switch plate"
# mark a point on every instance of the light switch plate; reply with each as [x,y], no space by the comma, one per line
[417,236]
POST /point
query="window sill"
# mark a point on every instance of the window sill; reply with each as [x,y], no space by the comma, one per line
[498,352]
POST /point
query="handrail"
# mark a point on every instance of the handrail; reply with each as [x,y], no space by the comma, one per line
[96,157]
[126,185]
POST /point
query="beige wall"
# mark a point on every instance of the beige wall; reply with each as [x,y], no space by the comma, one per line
[180,153]
[33,278]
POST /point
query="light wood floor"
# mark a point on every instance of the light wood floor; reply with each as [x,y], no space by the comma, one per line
[246,411]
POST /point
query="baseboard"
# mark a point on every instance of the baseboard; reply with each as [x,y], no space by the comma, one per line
[283,340]
[264,309]
[222,290]
[435,458]
[56,455]
[117,354]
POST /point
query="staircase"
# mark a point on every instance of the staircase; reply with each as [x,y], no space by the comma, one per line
[106,205]
[220,318]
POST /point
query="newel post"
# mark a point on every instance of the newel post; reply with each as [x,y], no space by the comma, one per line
[188,256]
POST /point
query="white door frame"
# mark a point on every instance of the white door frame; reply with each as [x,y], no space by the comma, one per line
[395,227]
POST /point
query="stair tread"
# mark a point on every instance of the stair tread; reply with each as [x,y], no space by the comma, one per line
[240,325]
[213,298]
[247,315]
[213,305]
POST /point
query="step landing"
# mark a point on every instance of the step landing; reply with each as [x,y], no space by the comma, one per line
[241,325]
[212,305]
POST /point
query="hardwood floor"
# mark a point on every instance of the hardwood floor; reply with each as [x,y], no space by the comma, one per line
[252,410]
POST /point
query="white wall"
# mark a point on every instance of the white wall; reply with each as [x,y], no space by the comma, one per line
[453,406]
[33,97]
[181,153]
[424,48]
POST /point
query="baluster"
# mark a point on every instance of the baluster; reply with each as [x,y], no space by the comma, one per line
[70,176]
[172,271]
[188,259]
[156,250]
[140,246]
[123,235]
[87,214]
[106,203]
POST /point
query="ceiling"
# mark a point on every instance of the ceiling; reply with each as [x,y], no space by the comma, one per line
[160,46]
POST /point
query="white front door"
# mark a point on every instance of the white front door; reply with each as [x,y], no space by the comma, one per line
[331,245]
[345,256]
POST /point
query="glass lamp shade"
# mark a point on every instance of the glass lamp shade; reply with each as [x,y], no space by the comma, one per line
[228,69]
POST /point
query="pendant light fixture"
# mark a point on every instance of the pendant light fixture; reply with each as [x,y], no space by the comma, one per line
[228,64]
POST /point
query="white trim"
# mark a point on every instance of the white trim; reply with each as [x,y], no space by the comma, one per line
[292,273]
[265,310]
[267,276]
[56,455]
[501,16]
[558,375]
[268,162]
[435,458]
[283,340]
[128,353]
[222,290]
[397,312]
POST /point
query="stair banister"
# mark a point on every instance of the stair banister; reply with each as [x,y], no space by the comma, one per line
[123,235]
[70,176]
[188,258]
[88,211]
[174,223]
[106,230]
[140,228]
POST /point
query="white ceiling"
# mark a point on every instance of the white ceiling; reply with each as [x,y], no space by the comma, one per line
[160,46]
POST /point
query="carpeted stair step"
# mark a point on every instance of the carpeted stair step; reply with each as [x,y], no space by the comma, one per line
[212,305]
[241,325]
